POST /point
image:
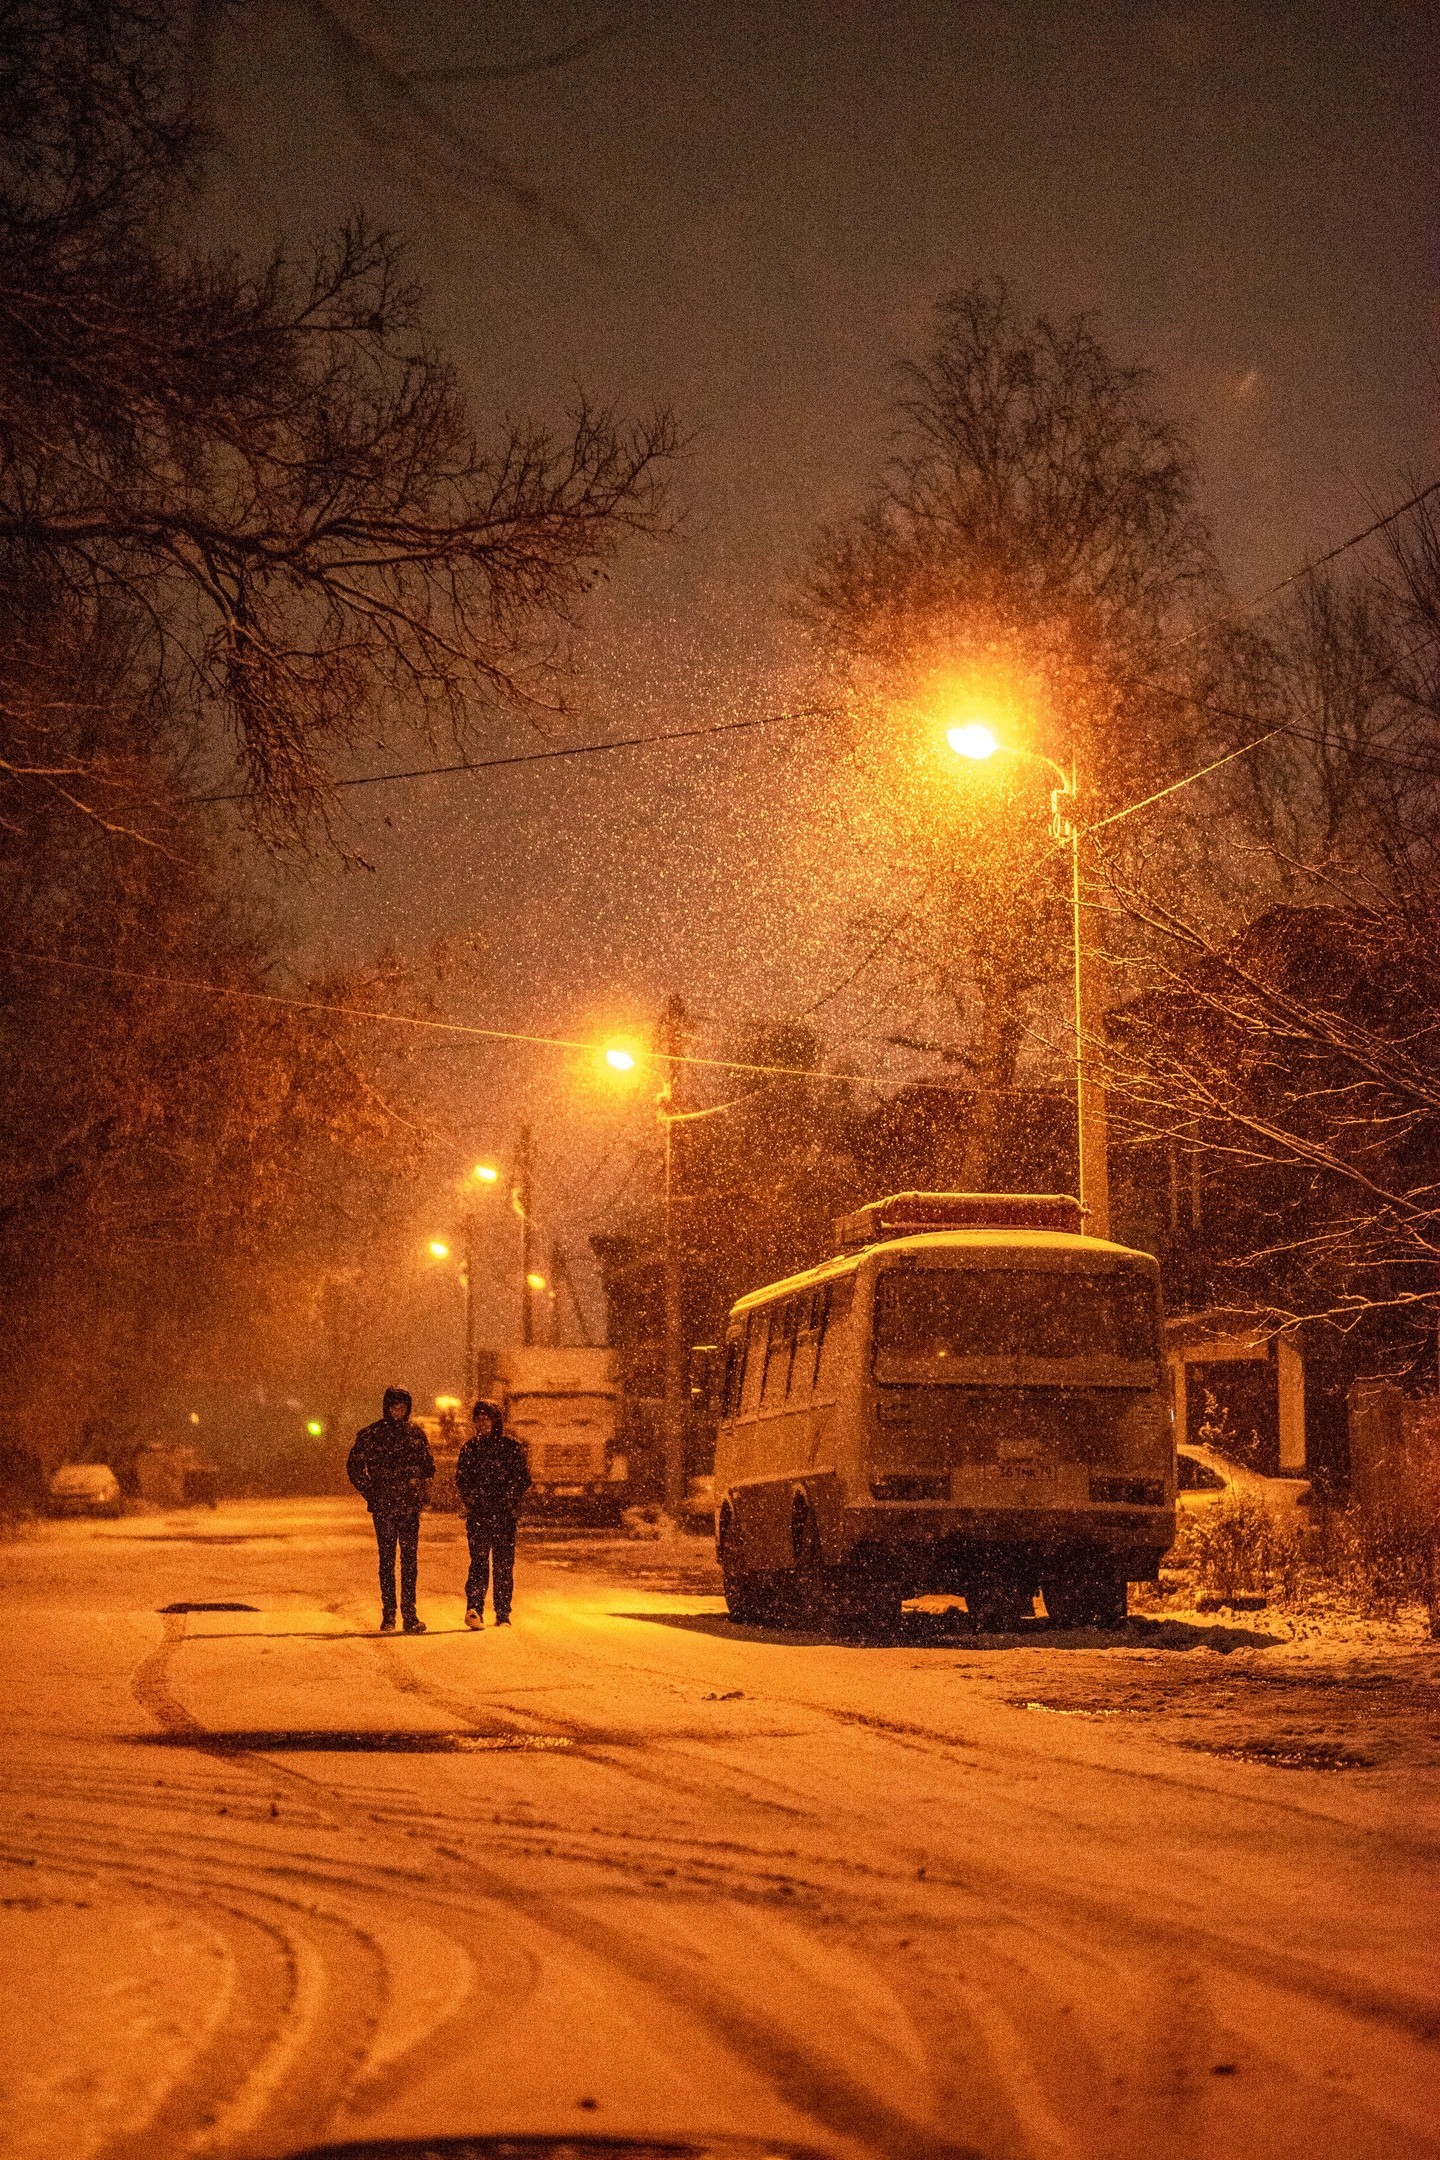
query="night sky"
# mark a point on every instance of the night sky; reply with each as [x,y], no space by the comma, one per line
[771,200]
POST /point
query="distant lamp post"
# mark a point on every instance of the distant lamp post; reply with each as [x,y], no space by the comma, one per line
[972,739]
[534,1281]
[315,1427]
[619,1059]
[439,1250]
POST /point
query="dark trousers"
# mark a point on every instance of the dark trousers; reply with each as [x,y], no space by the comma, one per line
[392,1529]
[492,1548]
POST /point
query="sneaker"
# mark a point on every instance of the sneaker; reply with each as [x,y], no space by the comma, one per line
[473,1619]
[502,1619]
[413,1624]
[387,1623]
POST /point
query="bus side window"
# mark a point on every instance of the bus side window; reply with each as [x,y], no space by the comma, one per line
[780,1352]
[807,1344]
[754,1367]
[839,1296]
[734,1366]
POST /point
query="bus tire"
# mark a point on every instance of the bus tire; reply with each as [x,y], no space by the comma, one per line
[745,1598]
[1081,1596]
[742,1600]
[812,1586]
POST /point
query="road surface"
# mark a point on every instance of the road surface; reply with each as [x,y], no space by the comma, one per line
[272,1881]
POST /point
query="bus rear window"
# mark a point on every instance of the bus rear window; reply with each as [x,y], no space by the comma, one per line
[937,1316]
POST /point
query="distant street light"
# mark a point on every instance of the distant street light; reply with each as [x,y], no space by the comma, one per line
[439,1250]
[315,1428]
[536,1282]
[620,1060]
[485,1173]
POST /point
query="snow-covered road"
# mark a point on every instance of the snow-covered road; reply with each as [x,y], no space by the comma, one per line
[273,1881]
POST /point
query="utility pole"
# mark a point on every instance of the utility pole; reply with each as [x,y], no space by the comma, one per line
[1092,1157]
[674,1043]
[472,1384]
[520,1200]
[1090,1111]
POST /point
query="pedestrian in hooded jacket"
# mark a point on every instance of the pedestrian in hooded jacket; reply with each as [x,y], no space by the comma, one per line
[491,1477]
[390,1467]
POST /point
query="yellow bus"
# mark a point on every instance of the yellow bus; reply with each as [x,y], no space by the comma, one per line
[969,1398]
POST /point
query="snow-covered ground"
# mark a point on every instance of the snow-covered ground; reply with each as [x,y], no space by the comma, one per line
[271,1880]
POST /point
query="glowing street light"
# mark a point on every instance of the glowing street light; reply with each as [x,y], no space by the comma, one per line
[620,1060]
[536,1282]
[973,740]
[485,1173]
[315,1428]
[439,1250]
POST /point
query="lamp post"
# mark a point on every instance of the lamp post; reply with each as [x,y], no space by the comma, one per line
[670,1052]
[1092,1169]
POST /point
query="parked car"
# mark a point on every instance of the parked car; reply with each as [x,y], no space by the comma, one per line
[84,1489]
[1203,1476]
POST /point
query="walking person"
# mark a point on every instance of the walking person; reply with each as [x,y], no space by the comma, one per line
[390,1467]
[491,1477]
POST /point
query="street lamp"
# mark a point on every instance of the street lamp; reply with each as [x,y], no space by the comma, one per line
[974,740]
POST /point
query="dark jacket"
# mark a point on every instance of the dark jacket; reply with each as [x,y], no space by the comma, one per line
[491,1475]
[390,1465]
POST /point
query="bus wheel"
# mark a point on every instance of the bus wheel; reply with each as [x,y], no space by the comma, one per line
[813,1591]
[1086,1597]
[745,1599]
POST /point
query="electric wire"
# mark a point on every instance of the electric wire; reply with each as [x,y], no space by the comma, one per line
[810,714]
[802,716]
[417,1021]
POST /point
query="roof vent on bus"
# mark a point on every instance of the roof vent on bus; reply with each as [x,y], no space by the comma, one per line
[904,1214]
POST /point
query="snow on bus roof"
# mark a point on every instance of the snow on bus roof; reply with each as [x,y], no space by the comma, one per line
[1066,1241]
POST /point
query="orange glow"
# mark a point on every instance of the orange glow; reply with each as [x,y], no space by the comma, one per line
[485,1173]
[439,1250]
[619,1060]
[537,1282]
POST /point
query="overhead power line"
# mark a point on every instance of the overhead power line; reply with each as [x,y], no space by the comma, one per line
[799,717]
[412,1020]
[1343,547]
[805,714]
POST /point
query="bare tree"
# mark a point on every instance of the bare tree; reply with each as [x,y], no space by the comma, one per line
[1287,1038]
[1029,551]
[270,470]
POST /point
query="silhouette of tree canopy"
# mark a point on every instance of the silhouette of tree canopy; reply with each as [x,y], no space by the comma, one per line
[268,472]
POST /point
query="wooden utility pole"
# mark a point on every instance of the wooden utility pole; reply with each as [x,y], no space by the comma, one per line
[522,1199]
[1090,999]
[471,1383]
[674,1035]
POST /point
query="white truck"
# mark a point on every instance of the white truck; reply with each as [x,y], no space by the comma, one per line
[563,1407]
